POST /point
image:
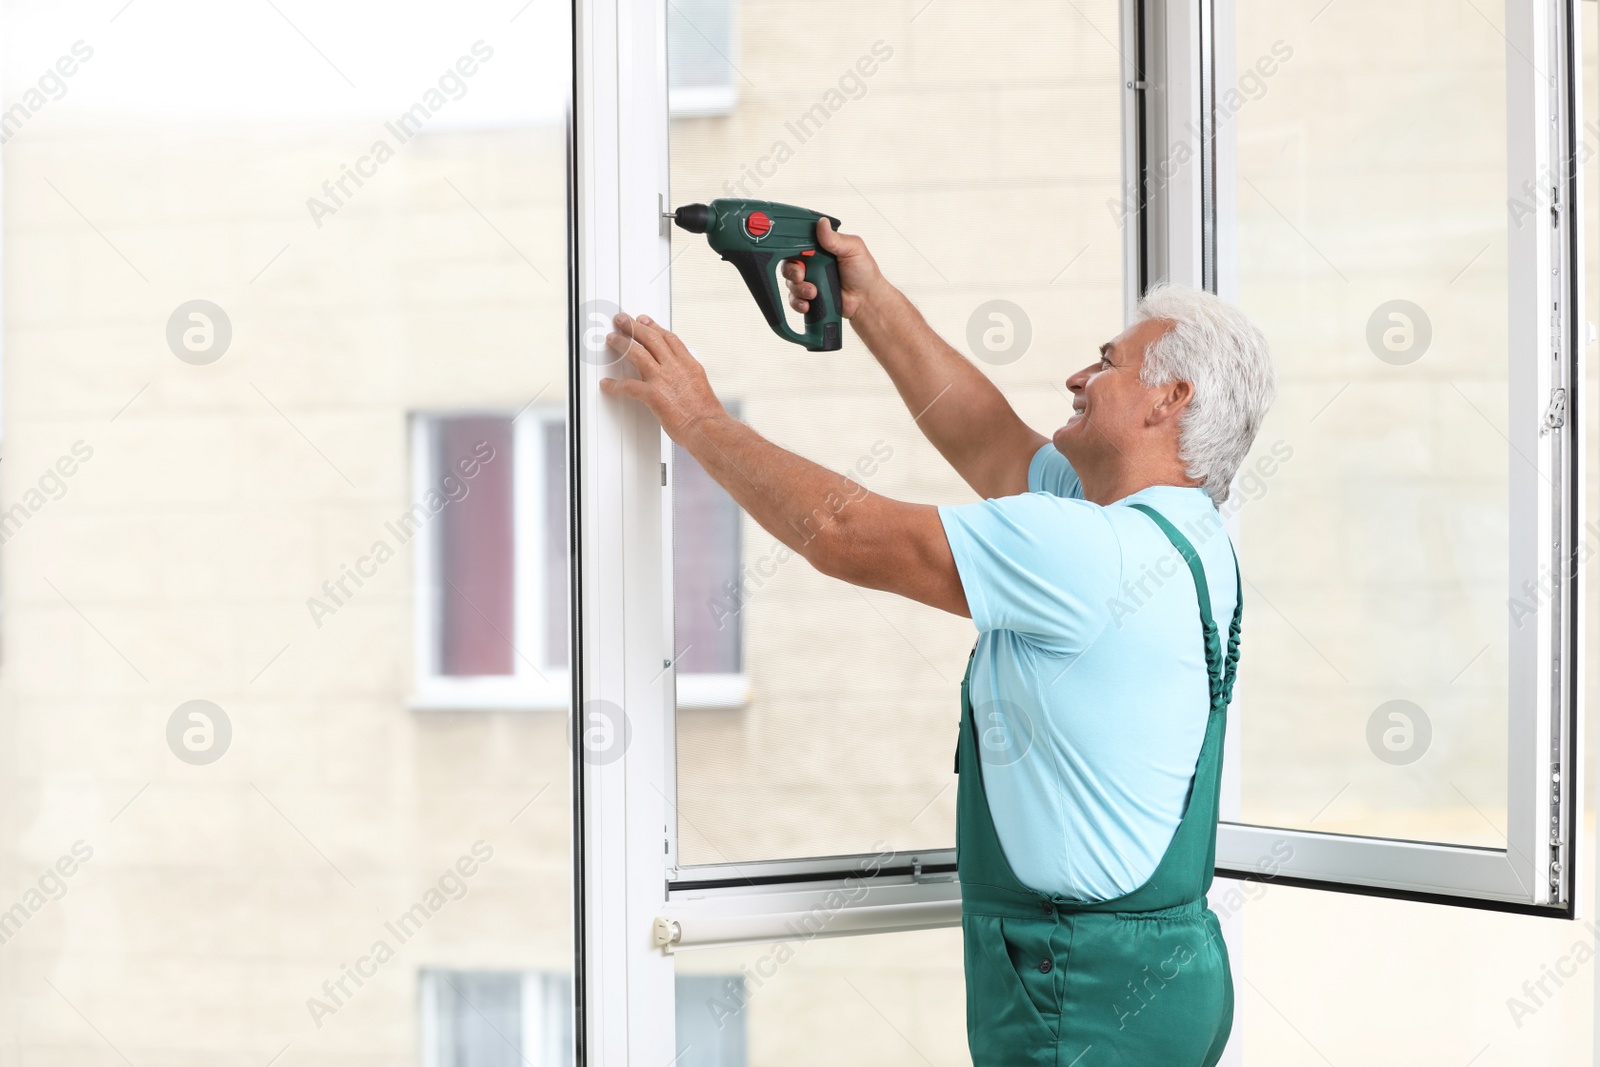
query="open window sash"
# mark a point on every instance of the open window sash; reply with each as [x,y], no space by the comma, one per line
[1537,869]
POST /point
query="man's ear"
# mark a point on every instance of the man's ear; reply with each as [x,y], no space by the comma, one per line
[1171,402]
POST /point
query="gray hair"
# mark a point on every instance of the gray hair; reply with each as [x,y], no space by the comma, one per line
[1216,348]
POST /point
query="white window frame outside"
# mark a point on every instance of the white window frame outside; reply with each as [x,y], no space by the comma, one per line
[635,907]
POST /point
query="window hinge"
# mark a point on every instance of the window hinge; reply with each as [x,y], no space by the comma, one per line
[1555,416]
[1138,86]
[1555,831]
[663,473]
[1555,802]
[666,932]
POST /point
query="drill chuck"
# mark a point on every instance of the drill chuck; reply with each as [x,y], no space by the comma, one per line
[696,218]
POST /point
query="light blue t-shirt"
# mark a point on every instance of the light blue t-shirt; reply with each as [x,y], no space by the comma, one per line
[1089,688]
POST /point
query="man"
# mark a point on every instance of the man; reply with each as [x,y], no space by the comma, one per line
[1094,702]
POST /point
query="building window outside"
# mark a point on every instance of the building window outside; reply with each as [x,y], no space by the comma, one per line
[488,520]
[700,51]
[496,1019]
[523,1019]
[489,511]
[705,567]
[710,1018]
[475,601]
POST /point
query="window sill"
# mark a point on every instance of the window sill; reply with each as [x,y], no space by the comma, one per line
[728,692]
[701,101]
[491,694]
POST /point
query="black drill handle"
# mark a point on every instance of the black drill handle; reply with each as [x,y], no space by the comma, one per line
[756,270]
[822,317]
[822,271]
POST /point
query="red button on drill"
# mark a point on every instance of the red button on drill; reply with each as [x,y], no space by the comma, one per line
[757,224]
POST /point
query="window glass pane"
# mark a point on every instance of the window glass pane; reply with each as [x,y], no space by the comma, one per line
[976,148]
[885,1000]
[477,591]
[1374,510]
[225,307]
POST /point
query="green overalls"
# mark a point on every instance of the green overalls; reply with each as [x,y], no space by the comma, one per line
[1140,980]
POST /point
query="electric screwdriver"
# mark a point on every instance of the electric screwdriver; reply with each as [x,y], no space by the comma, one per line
[755,236]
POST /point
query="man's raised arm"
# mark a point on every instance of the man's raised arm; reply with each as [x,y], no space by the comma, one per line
[841,529]
[957,407]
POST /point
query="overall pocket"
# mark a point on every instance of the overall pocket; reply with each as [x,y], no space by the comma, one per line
[1035,966]
[1012,1015]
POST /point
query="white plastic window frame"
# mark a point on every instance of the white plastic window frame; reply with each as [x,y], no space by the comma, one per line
[635,907]
[536,684]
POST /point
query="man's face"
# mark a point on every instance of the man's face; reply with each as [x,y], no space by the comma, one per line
[1109,403]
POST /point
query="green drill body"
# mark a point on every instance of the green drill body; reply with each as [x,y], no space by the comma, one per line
[756,236]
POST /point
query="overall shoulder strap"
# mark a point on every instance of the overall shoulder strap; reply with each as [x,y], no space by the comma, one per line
[1184,872]
[1232,667]
[1219,666]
